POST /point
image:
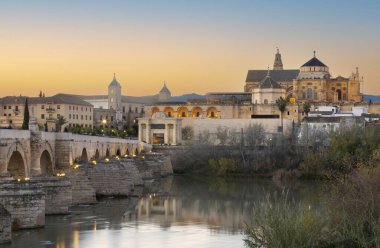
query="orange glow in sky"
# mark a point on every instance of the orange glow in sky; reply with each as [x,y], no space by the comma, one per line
[197,46]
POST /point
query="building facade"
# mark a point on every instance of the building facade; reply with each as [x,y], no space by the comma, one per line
[46,111]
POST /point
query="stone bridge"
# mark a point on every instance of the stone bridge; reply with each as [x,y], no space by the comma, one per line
[25,154]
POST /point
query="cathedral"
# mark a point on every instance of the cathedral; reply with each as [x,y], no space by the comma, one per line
[312,82]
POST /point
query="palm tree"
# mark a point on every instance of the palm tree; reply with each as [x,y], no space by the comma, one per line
[306,108]
[60,122]
[281,104]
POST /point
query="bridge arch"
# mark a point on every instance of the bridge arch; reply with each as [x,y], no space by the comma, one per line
[84,156]
[108,153]
[46,163]
[97,155]
[16,165]
[118,152]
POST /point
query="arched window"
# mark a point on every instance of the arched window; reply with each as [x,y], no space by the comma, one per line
[265,101]
[339,92]
[310,93]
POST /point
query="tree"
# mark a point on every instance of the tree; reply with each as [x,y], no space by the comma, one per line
[306,107]
[25,123]
[281,104]
[60,122]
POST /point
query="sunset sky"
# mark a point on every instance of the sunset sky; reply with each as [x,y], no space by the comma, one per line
[194,45]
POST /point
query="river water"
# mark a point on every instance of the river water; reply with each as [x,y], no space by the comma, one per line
[170,212]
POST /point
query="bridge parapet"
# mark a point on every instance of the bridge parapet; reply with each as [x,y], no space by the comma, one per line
[26,153]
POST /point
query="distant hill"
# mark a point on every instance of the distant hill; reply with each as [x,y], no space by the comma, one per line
[373,98]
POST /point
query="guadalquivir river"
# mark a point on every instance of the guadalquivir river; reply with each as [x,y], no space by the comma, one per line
[171,212]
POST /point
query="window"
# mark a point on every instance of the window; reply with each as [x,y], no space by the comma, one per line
[77,117]
[303,95]
[81,109]
[69,116]
[69,107]
[5,107]
[315,95]
[85,117]
[9,107]
[123,109]
[111,118]
[310,93]
[90,117]
[81,117]
[58,106]
[42,116]
[9,115]
[42,106]
[136,111]
[16,108]
[265,101]
[130,109]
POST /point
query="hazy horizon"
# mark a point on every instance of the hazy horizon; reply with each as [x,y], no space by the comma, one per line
[195,46]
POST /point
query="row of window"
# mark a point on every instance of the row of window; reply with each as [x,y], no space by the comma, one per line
[81,108]
[10,107]
[76,117]
[136,110]
[80,125]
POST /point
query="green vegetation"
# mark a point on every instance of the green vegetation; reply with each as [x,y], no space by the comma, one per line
[352,218]
[306,107]
[25,123]
[110,132]
[281,104]
[281,222]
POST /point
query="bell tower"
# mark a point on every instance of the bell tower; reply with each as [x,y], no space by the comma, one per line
[278,61]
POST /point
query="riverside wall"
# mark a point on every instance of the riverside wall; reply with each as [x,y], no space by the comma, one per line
[24,203]
[5,226]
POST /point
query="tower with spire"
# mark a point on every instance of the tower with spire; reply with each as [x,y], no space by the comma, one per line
[114,94]
[277,65]
[164,95]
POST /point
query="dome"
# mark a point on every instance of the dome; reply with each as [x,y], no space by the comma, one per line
[268,83]
[314,62]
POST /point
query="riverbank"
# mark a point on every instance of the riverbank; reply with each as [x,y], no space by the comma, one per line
[172,211]
[29,200]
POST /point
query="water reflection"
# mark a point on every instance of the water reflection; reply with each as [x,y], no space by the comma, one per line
[172,212]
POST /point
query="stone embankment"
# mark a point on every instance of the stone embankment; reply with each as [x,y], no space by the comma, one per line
[5,226]
[116,177]
[26,202]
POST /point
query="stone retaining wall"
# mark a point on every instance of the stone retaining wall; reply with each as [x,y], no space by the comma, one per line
[117,178]
[58,191]
[81,188]
[25,201]
[5,226]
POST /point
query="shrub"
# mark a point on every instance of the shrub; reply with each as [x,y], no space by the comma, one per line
[280,222]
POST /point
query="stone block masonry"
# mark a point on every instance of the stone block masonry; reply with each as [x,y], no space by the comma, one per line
[25,201]
[116,178]
[81,188]
[58,191]
[5,226]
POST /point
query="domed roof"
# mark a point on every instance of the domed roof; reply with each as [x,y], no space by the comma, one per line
[268,83]
[165,89]
[114,82]
[314,62]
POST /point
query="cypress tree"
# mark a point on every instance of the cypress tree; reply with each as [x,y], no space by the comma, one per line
[25,123]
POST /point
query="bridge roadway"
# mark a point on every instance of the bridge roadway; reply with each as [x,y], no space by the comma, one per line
[25,154]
